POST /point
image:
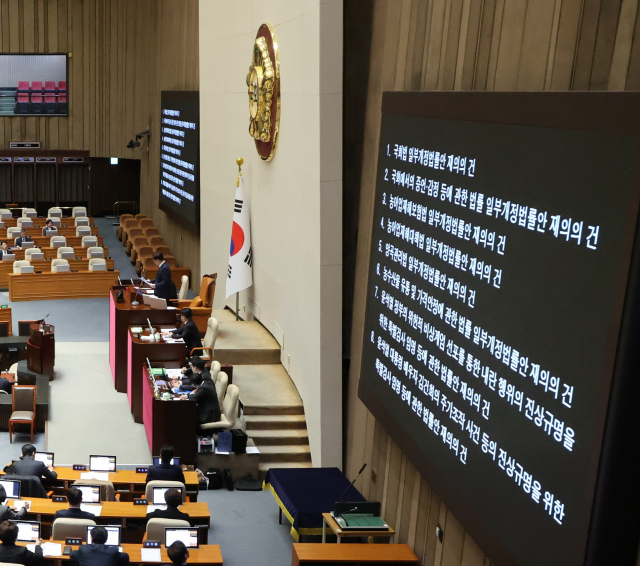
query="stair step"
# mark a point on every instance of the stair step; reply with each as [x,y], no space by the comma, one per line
[264,467]
[280,437]
[271,422]
[300,453]
[286,410]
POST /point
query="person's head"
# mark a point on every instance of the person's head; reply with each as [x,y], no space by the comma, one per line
[198,365]
[23,232]
[158,258]
[98,535]
[166,454]
[3,494]
[8,532]
[173,498]
[185,315]
[28,450]
[4,244]
[49,223]
[74,496]
[177,552]
[196,379]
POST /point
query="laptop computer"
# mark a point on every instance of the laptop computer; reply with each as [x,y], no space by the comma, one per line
[154,302]
[11,488]
[188,535]
[26,269]
[67,255]
[158,494]
[27,245]
[90,493]
[8,257]
[37,256]
[113,534]
[28,531]
[45,457]
[174,461]
[102,463]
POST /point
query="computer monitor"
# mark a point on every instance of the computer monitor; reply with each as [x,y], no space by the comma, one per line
[113,534]
[28,531]
[8,257]
[90,493]
[97,253]
[67,255]
[27,245]
[37,256]
[51,232]
[12,488]
[45,457]
[175,461]
[158,494]
[188,535]
[102,463]
[26,269]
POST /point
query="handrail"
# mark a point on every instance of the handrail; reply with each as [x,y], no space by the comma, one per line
[136,205]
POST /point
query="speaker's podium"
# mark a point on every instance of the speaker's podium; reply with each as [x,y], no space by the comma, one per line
[41,348]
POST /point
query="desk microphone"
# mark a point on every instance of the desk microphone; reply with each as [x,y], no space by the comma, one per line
[135,302]
[354,481]
[42,320]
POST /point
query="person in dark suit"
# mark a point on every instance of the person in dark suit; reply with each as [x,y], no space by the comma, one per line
[165,470]
[22,238]
[178,553]
[188,331]
[9,513]
[206,397]
[4,248]
[11,552]
[162,284]
[48,226]
[27,466]
[183,383]
[97,553]
[74,496]
[173,500]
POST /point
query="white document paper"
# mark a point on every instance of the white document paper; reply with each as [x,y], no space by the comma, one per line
[174,340]
[19,503]
[150,555]
[152,508]
[48,548]
[253,450]
[95,509]
[145,338]
[94,476]
[174,373]
[222,453]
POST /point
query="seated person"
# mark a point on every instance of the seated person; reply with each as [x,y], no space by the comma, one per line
[11,552]
[48,226]
[9,513]
[22,238]
[165,470]
[6,384]
[27,466]
[184,384]
[178,553]
[173,500]
[188,331]
[207,399]
[74,497]
[4,248]
[97,553]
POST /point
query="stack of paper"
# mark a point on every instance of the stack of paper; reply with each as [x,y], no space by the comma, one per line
[152,508]
[48,548]
[95,476]
[174,340]
[95,509]
[20,503]
[150,555]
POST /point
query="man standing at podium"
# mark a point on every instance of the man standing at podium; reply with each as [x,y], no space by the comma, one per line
[162,284]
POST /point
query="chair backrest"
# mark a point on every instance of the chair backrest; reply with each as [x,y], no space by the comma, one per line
[96,261]
[26,222]
[139,241]
[170,260]
[81,221]
[139,216]
[215,371]
[164,250]
[207,291]
[129,223]
[124,217]
[20,263]
[144,252]
[29,213]
[148,263]
[30,251]
[57,239]
[221,388]
[83,231]
[71,528]
[134,232]
[5,213]
[151,231]
[57,222]
[230,404]
[50,86]
[94,249]
[156,527]
[211,334]
[56,262]
[64,249]
[148,491]
[145,223]
[79,211]
[62,86]
[107,491]
[54,211]
[36,86]
[156,241]
[23,86]
[184,287]
[24,398]
[88,241]
[13,232]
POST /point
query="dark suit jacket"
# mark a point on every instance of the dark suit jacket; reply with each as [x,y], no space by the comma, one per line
[7,251]
[207,399]
[168,513]
[19,240]
[5,385]
[99,555]
[164,288]
[166,472]
[19,554]
[27,466]
[6,514]
[190,334]
[73,513]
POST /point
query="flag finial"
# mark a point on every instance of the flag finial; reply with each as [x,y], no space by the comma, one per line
[239,161]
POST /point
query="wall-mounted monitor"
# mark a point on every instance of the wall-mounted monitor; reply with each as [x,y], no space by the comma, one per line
[34,84]
[503,315]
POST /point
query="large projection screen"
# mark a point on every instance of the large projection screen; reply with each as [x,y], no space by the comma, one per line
[501,329]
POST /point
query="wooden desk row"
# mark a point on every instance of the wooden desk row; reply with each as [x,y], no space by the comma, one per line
[44,265]
[72,241]
[52,253]
[68,230]
[204,556]
[48,286]
[352,554]
[41,221]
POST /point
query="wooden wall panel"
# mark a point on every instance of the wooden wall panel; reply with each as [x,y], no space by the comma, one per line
[123,54]
[472,45]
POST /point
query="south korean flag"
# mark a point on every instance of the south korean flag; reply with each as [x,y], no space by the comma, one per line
[240,272]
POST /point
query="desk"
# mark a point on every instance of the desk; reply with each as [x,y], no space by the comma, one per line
[41,350]
[47,286]
[41,221]
[138,352]
[5,316]
[72,241]
[69,230]
[169,422]
[121,316]
[52,253]
[329,521]
[352,554]
[205,555]
[304,494]
[44,265]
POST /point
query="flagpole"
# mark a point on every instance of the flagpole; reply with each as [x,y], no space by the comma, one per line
[239,161]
